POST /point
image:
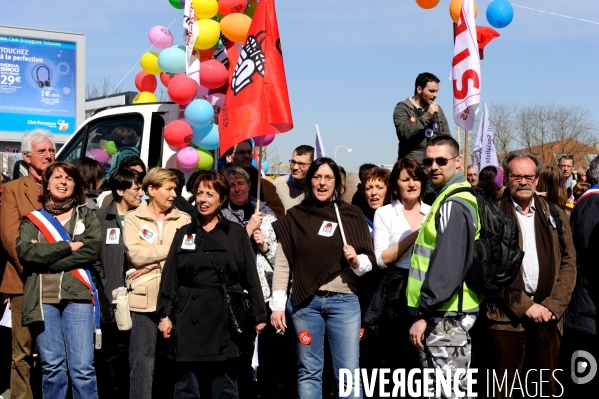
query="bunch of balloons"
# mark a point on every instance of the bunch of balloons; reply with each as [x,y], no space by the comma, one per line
[196,135]
[499,13]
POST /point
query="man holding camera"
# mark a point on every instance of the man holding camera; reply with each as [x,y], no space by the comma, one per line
[418,119]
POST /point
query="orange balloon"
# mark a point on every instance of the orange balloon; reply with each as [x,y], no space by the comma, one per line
[427,4]
[455,7]
[235,27]
[205,55]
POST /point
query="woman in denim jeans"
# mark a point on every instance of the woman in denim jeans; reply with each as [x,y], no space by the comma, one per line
[325,245]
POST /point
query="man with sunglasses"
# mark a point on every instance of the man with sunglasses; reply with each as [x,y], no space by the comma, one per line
[20,197]
[291,187]
[526,321]
[415,119]
[241,155]
[444,307]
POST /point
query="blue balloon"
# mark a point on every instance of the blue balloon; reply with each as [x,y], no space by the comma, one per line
[199,113]
[206,137]
[265,165]
[500,13]
[254,163]
[172,60]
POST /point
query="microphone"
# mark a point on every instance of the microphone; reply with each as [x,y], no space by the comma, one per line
[435,121]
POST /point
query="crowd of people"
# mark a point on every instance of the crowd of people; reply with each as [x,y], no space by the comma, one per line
[333,277]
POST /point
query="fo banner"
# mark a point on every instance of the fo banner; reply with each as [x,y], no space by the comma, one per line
[465,71]
[484,148]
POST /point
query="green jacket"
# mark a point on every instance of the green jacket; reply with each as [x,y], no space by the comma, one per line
[44,257]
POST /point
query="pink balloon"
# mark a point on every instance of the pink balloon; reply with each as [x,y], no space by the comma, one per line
[98,154]
[188,157]
[266,140]
[202,92]
[217,100]
[160,37]
[213,74]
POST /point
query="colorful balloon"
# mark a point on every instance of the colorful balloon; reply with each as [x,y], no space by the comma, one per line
[145,97]
[202,91]
[455,7]
[182,2]
[500,13]
[208,34]
[165,78]
[110,148]
[251,8]
[213,74]
[205,8]
[172,60]
[199,113]
[176,4]
[149,63]
[266,140]
[188,157]
[206,160]
[178,134]
[235,27]
[265,165]
[145,82]
[160,37]
[226,7]
[206,137]
[98,154]
[182,89]
[217,100]
[207,54]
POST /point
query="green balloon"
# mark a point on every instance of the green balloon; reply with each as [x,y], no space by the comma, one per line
[176,4]
[206,160]
[110,148]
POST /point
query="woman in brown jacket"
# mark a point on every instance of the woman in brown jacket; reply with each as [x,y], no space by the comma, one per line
[149,232]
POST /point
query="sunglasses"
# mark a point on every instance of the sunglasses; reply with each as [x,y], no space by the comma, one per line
[439,161]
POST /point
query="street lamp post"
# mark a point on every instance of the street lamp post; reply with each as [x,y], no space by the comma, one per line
[341,145]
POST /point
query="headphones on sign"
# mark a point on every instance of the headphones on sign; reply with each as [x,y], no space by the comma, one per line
[40,83]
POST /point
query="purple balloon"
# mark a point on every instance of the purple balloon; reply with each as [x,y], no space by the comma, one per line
[182,3]
[98,154]
[266,140]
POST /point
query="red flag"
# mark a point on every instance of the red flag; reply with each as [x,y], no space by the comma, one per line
[257,101]
[484,35]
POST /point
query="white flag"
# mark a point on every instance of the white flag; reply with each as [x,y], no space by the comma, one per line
[318,148]
[484,148]
[190,24]
[465,71]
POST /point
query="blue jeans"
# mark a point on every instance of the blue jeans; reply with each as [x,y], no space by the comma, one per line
[66,343]
[339,316]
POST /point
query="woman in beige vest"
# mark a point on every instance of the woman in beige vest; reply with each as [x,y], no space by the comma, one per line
[149,231]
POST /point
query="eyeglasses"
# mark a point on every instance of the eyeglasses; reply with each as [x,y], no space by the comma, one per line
[529,178]
[439,161]
[246,152]
[302,165]
[328,179]
[43,153]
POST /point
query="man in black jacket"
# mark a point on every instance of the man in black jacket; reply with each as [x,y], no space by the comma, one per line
[413,118]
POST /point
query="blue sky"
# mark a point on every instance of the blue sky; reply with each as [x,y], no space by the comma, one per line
[350,62]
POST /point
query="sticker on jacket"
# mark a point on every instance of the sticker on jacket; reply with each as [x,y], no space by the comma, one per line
[112,235]
[79,228]
[327,229]
[189,242]
[148,234]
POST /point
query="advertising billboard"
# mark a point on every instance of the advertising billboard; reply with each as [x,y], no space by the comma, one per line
[41,82]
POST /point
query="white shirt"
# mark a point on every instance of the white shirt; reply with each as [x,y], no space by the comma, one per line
[390,227]
[530,263]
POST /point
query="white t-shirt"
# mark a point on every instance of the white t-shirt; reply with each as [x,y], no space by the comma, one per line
[390,227]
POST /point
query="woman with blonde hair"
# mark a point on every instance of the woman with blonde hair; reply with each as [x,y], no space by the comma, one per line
[149,232]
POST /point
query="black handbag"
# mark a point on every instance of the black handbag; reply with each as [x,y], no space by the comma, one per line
[241,317]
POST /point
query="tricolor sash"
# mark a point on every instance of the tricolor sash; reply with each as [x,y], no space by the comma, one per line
[54,232]
[590,191]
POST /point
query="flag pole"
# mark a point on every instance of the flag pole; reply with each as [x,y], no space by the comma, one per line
[466,152]
[259,175]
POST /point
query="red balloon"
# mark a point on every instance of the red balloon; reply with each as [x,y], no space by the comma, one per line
[145,82]
[205,55]
[182,89]
[213,74]
[178,134]
[165,78]
[227,7]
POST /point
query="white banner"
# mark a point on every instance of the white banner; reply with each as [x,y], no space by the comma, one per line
[318,148]
[484,153]
[190,24]
[465,71]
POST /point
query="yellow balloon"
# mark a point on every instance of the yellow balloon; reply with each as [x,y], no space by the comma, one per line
[235,27]
[206,160]
[455,7]
[208,34]
[205,8]
[145,97]
[149,63]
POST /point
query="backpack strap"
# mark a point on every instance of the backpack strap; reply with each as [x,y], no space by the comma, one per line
[558,226]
